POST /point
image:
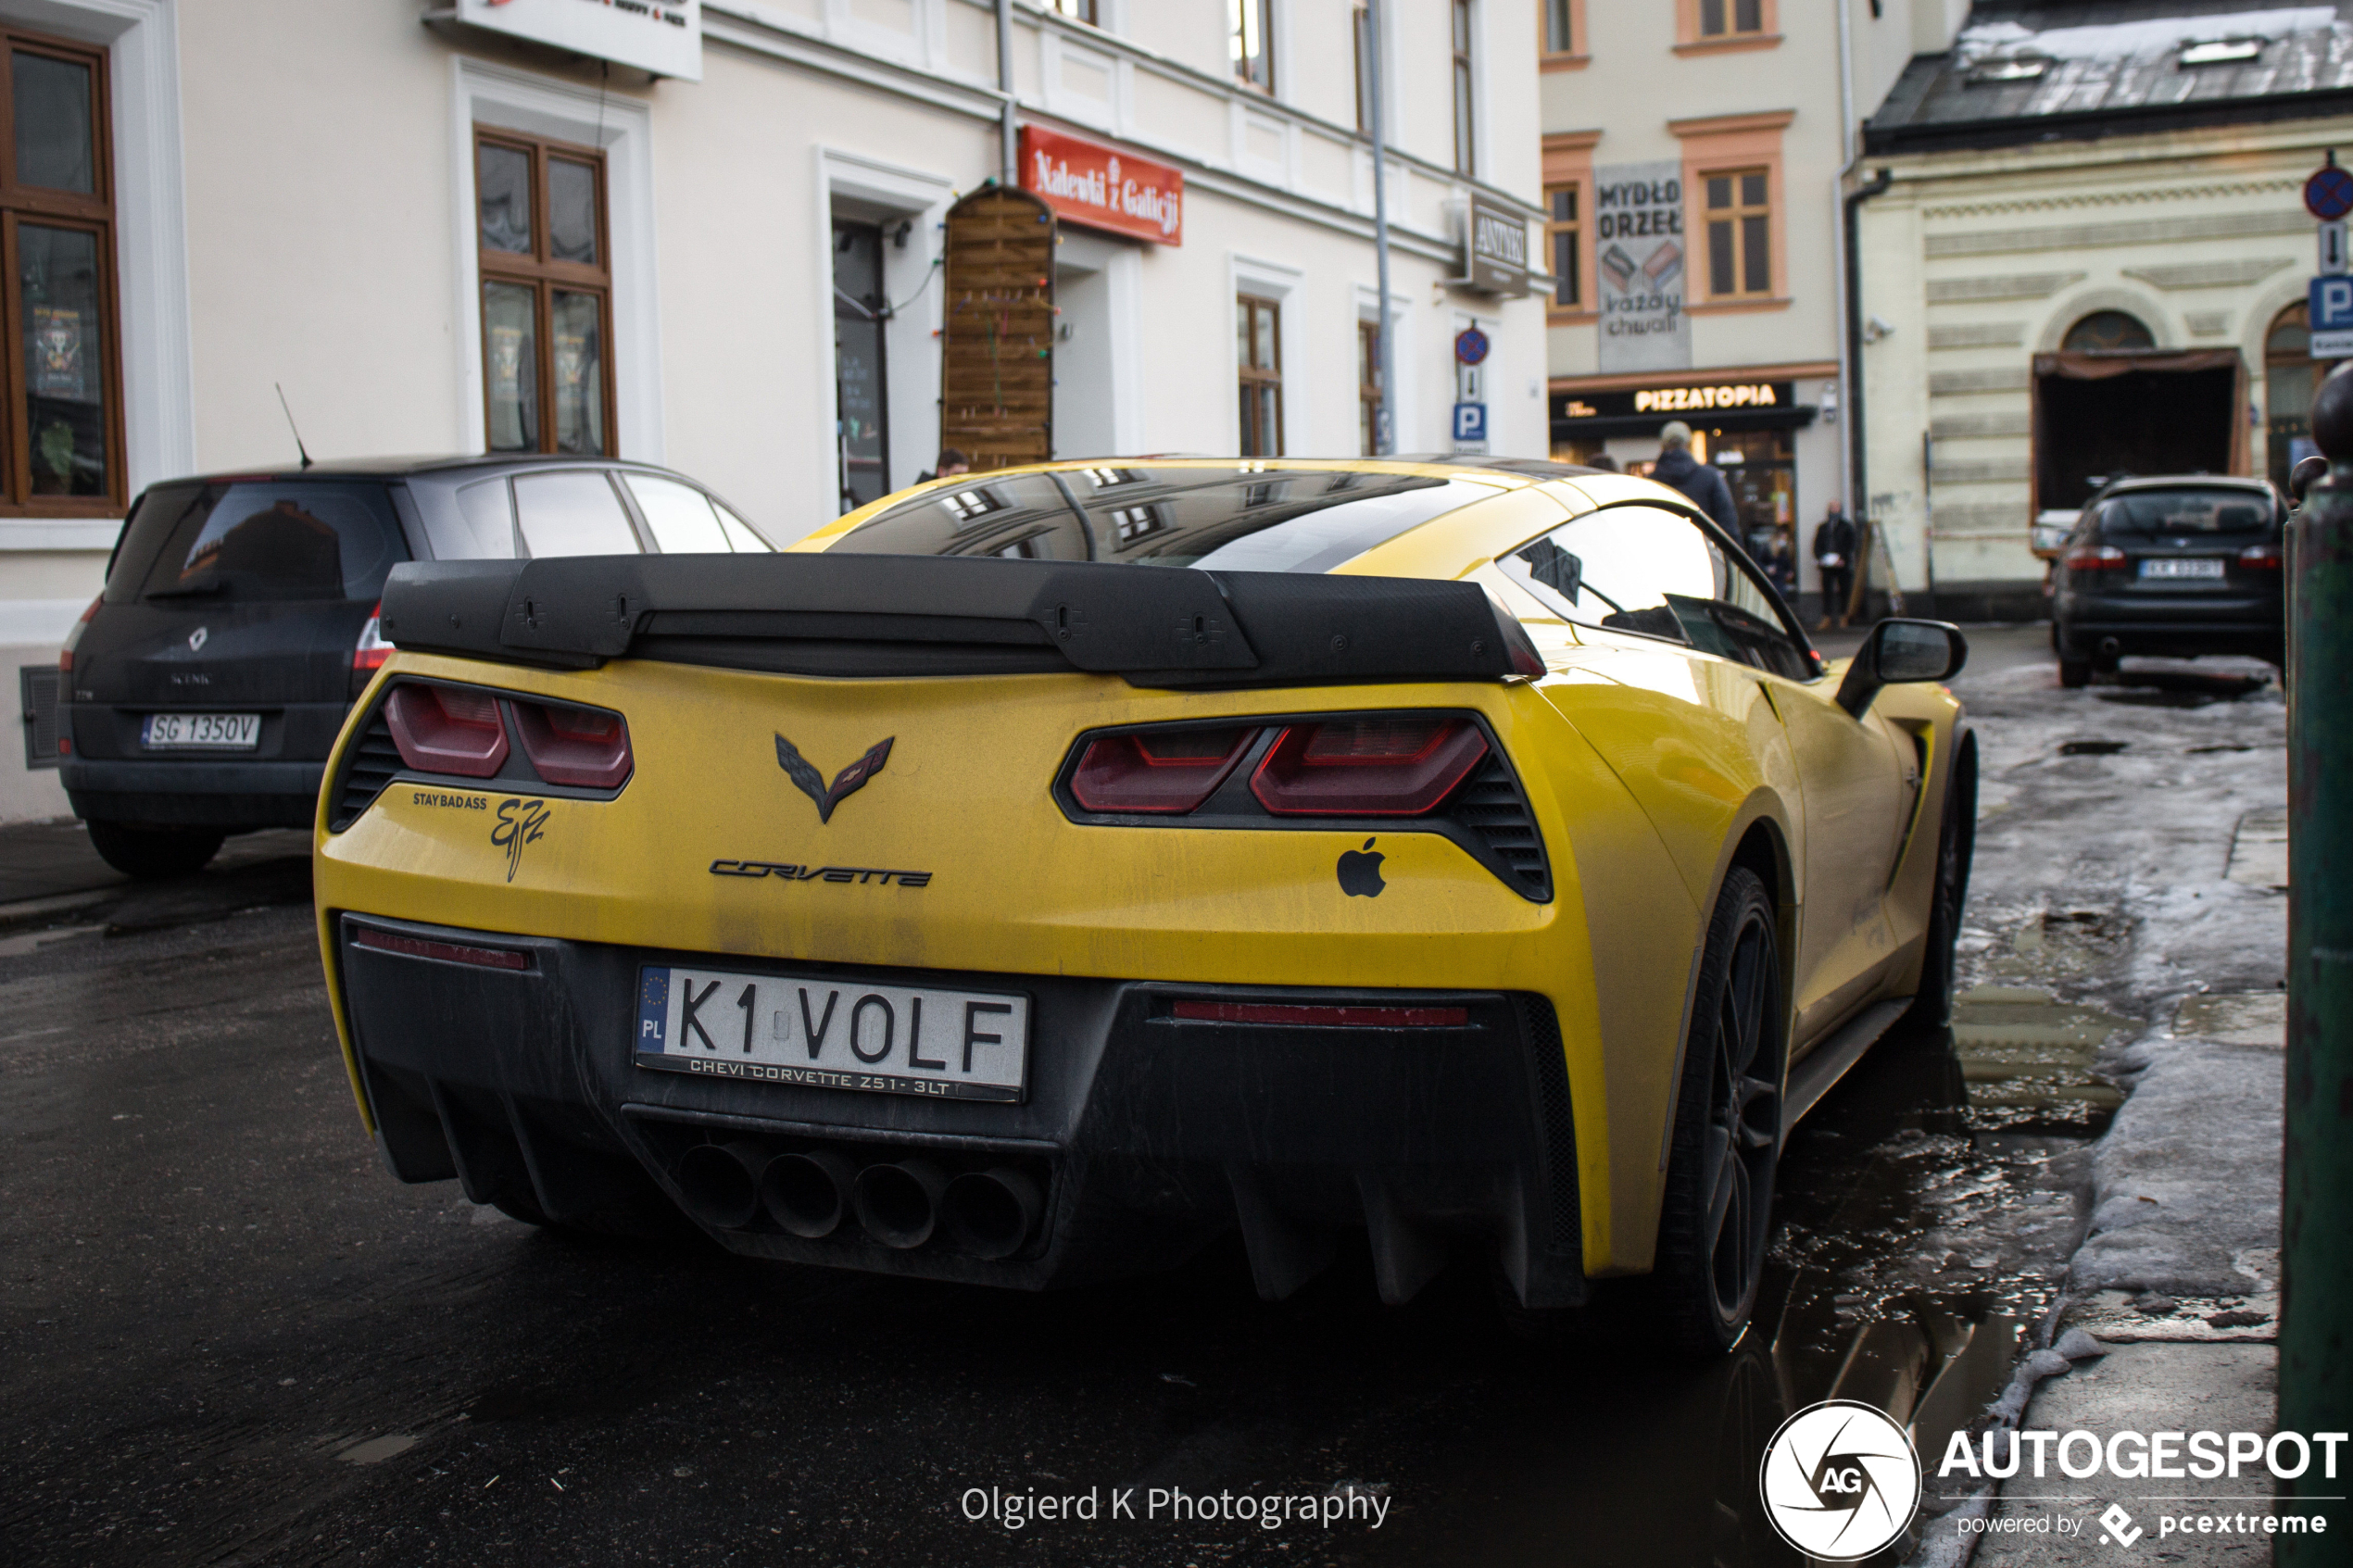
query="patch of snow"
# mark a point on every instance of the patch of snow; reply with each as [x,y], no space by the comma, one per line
[2158,35]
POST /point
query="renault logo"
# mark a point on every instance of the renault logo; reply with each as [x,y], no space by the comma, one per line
[197,638]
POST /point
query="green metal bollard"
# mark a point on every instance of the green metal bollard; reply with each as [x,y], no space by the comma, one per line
[2316,1310]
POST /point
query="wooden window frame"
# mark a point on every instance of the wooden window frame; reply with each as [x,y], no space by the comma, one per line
[1568,160]
[1250,377]
[92,214]
[1577,56]
[1689,40]
[1573,227]
[1737,216]
[1461,43]
[1368,398]
[1730,145]
[1360,21]
[542,275]
[1238,14]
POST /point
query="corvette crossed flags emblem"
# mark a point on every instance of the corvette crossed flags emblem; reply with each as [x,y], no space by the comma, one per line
[847,782]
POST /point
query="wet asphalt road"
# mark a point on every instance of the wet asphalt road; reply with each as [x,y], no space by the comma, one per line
[227,1335]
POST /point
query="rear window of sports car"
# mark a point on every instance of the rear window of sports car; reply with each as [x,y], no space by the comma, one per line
[1245,518]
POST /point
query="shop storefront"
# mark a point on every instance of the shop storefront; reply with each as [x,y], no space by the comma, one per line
[1748,429]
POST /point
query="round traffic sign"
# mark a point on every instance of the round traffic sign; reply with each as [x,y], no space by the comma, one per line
[1470,346]
[2328,196]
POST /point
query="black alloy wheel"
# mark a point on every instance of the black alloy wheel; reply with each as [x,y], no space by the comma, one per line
[2074,672]
[1718,1213]
[153,854]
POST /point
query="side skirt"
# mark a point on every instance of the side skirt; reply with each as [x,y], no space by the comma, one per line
[1828,1062]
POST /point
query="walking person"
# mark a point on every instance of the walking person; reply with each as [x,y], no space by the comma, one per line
[1703,483]
[1834,558]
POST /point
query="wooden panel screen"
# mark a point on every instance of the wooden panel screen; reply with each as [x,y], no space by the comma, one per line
[997,349]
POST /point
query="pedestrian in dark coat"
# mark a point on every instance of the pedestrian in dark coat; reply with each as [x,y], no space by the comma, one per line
[1834,543]
[1703,483]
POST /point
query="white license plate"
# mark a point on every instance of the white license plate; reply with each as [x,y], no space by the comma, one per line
[240,731]
[2181,566]
[833,1033]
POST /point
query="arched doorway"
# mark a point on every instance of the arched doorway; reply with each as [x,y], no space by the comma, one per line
[2290,377]
[2108,331]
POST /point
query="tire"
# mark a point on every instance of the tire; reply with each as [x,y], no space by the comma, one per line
[1955,847]
[2074,672]
[153,854]
[1717,1216]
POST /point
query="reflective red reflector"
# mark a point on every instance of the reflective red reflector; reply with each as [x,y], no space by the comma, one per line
[452,952]
[73,638]
[1157,770]
[372,650]
[2261,558]
[1315,1015]
[1367,767]
[574,746]
[2095,558]
[441,731]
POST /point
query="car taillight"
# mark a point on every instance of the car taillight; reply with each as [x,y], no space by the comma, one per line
[1322,1016]
[441,731]
[2094,557]
[73,638]
[369,656]
[2261,558]
[1367,767]
[574,746]
[1157,770]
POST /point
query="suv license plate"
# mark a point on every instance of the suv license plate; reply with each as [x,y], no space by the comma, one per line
[833,1033]
[2181,566]
[231,732]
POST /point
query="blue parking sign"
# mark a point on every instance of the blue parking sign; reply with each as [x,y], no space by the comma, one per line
[2330,306]
[1470,418]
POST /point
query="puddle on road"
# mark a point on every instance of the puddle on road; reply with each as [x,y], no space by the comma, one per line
[2027,1059]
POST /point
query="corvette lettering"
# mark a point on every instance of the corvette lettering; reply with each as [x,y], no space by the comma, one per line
[782,873]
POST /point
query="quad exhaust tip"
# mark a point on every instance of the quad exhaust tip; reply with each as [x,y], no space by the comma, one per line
[719,1183]
[991,1214]
[899,1204]
[806,1194]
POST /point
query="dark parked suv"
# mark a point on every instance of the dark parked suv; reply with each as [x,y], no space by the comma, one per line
[2176,567]
[200,694]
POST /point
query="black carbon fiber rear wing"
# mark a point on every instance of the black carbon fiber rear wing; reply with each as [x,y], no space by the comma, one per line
[873,615]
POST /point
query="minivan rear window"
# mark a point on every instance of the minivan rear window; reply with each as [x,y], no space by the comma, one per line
[307,539]
[2146,513]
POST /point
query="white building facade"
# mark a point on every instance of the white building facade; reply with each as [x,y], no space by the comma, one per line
[707,234]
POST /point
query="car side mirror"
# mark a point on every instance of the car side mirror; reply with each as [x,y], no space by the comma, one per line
[1901,651]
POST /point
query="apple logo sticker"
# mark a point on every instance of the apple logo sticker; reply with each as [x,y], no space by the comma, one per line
[1360,873]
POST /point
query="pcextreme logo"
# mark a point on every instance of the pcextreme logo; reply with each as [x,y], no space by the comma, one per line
[1840,1480]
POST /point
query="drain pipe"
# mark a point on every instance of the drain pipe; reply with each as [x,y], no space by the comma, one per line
[1385,416]
[1857,468]
[1007,156]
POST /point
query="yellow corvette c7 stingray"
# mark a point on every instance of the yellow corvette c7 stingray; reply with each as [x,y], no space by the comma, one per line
[1474,855]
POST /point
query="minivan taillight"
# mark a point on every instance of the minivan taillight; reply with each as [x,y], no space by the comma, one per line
[73,638]
[1367,767]
[2261,558]
[442,730]
[587,747]
[1157,770]
[369,656]
[2094,557]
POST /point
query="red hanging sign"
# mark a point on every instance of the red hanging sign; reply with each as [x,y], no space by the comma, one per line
[1103,189]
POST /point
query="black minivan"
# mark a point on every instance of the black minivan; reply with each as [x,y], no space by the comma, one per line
[200,694]
[2173,567]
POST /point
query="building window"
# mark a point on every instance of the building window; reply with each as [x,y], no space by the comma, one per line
[1740,244]
[1258,330]
[1466,143]
[63,434]
[862,382]
[2106,331]
[1079,10]
[546,295]
[1563,235]
[1729,19]
[1369,387]
[1249,36]
[1559,38]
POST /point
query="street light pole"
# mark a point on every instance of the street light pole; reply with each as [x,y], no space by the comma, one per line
[2316,1289]
[1384,416]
